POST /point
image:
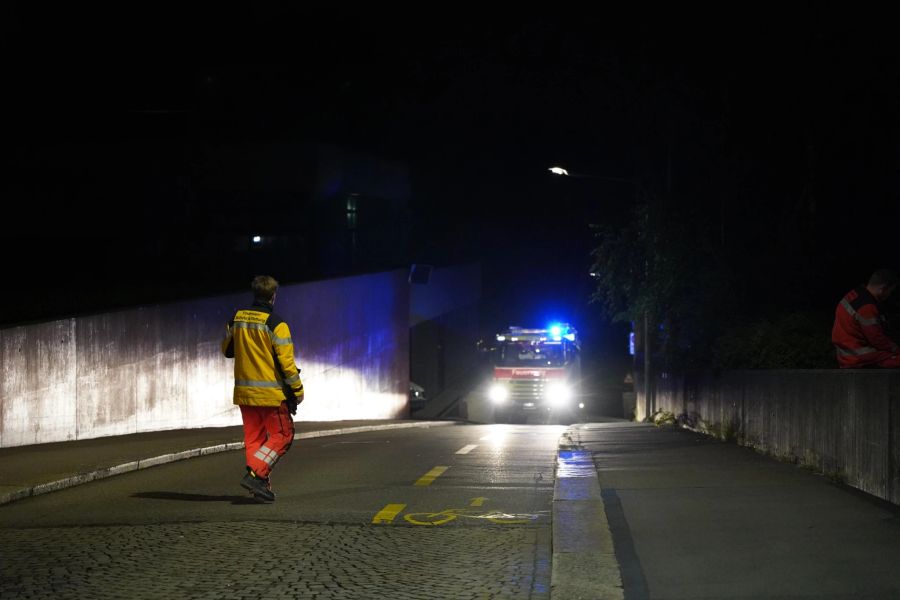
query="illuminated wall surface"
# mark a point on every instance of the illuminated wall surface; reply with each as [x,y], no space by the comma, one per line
[160,367]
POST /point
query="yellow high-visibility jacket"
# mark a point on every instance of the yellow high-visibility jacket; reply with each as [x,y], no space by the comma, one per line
[264,369]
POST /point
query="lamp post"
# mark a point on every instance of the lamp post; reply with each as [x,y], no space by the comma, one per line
[562,172]
[565,173]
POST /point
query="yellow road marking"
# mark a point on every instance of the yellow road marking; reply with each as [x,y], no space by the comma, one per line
[449,514]
[430,518]
[388,513]
[477,501]
[430,476]
[466,449]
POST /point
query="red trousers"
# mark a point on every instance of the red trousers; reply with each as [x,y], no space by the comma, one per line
[268,434]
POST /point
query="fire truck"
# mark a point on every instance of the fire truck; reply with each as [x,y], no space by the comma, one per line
[536,372]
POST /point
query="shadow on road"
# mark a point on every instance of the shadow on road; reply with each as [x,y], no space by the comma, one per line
[195,497]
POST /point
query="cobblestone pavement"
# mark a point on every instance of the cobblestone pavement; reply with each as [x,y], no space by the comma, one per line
[269,559]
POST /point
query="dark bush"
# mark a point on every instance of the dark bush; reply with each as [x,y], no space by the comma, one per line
[796,340]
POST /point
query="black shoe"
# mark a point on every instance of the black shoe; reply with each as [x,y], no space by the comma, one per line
[258,486]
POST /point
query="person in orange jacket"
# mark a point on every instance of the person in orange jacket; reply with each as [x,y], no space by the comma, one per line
[267,384]
[859,335]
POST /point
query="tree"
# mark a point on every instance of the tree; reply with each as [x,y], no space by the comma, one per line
[664,264]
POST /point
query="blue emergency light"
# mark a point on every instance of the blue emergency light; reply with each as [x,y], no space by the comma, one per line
[558,331]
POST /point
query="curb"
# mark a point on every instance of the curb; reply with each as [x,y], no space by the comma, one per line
[584,559]
[146,463]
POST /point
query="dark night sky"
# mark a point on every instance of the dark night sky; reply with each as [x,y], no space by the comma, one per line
[798,107]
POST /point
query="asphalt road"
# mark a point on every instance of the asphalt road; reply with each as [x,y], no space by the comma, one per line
[452,512]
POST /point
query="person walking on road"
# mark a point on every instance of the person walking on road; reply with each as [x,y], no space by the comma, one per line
[859,335]
[267,384]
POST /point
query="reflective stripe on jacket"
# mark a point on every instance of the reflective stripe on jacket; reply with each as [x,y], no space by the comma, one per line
[858,334]
[264,369]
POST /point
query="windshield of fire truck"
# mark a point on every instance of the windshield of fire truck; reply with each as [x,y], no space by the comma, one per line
[532,354]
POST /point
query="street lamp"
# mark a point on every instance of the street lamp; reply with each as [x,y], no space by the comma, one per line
[562,172]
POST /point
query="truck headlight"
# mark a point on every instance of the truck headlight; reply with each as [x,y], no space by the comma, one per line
[558,394]
[498,393]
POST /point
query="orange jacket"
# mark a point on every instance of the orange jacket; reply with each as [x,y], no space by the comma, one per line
[858,334]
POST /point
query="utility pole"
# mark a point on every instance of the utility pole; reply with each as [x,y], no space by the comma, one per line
[648,407]
[645,329]
[648,404]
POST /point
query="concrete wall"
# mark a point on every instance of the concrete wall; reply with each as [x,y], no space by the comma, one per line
[444,319]
[447,290]
[443,350]
[843,423]
[160,367]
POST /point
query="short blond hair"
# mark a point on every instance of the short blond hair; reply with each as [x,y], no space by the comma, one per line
[264,288]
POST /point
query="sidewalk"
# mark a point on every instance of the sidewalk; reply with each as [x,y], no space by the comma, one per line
[37,469]
[687,516]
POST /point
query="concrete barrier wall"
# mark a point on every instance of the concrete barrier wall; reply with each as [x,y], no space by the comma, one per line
[443,351]
[842,423]
[160,367]
[447,290]
[444,315]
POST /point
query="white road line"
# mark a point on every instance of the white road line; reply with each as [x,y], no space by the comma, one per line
[466,449]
